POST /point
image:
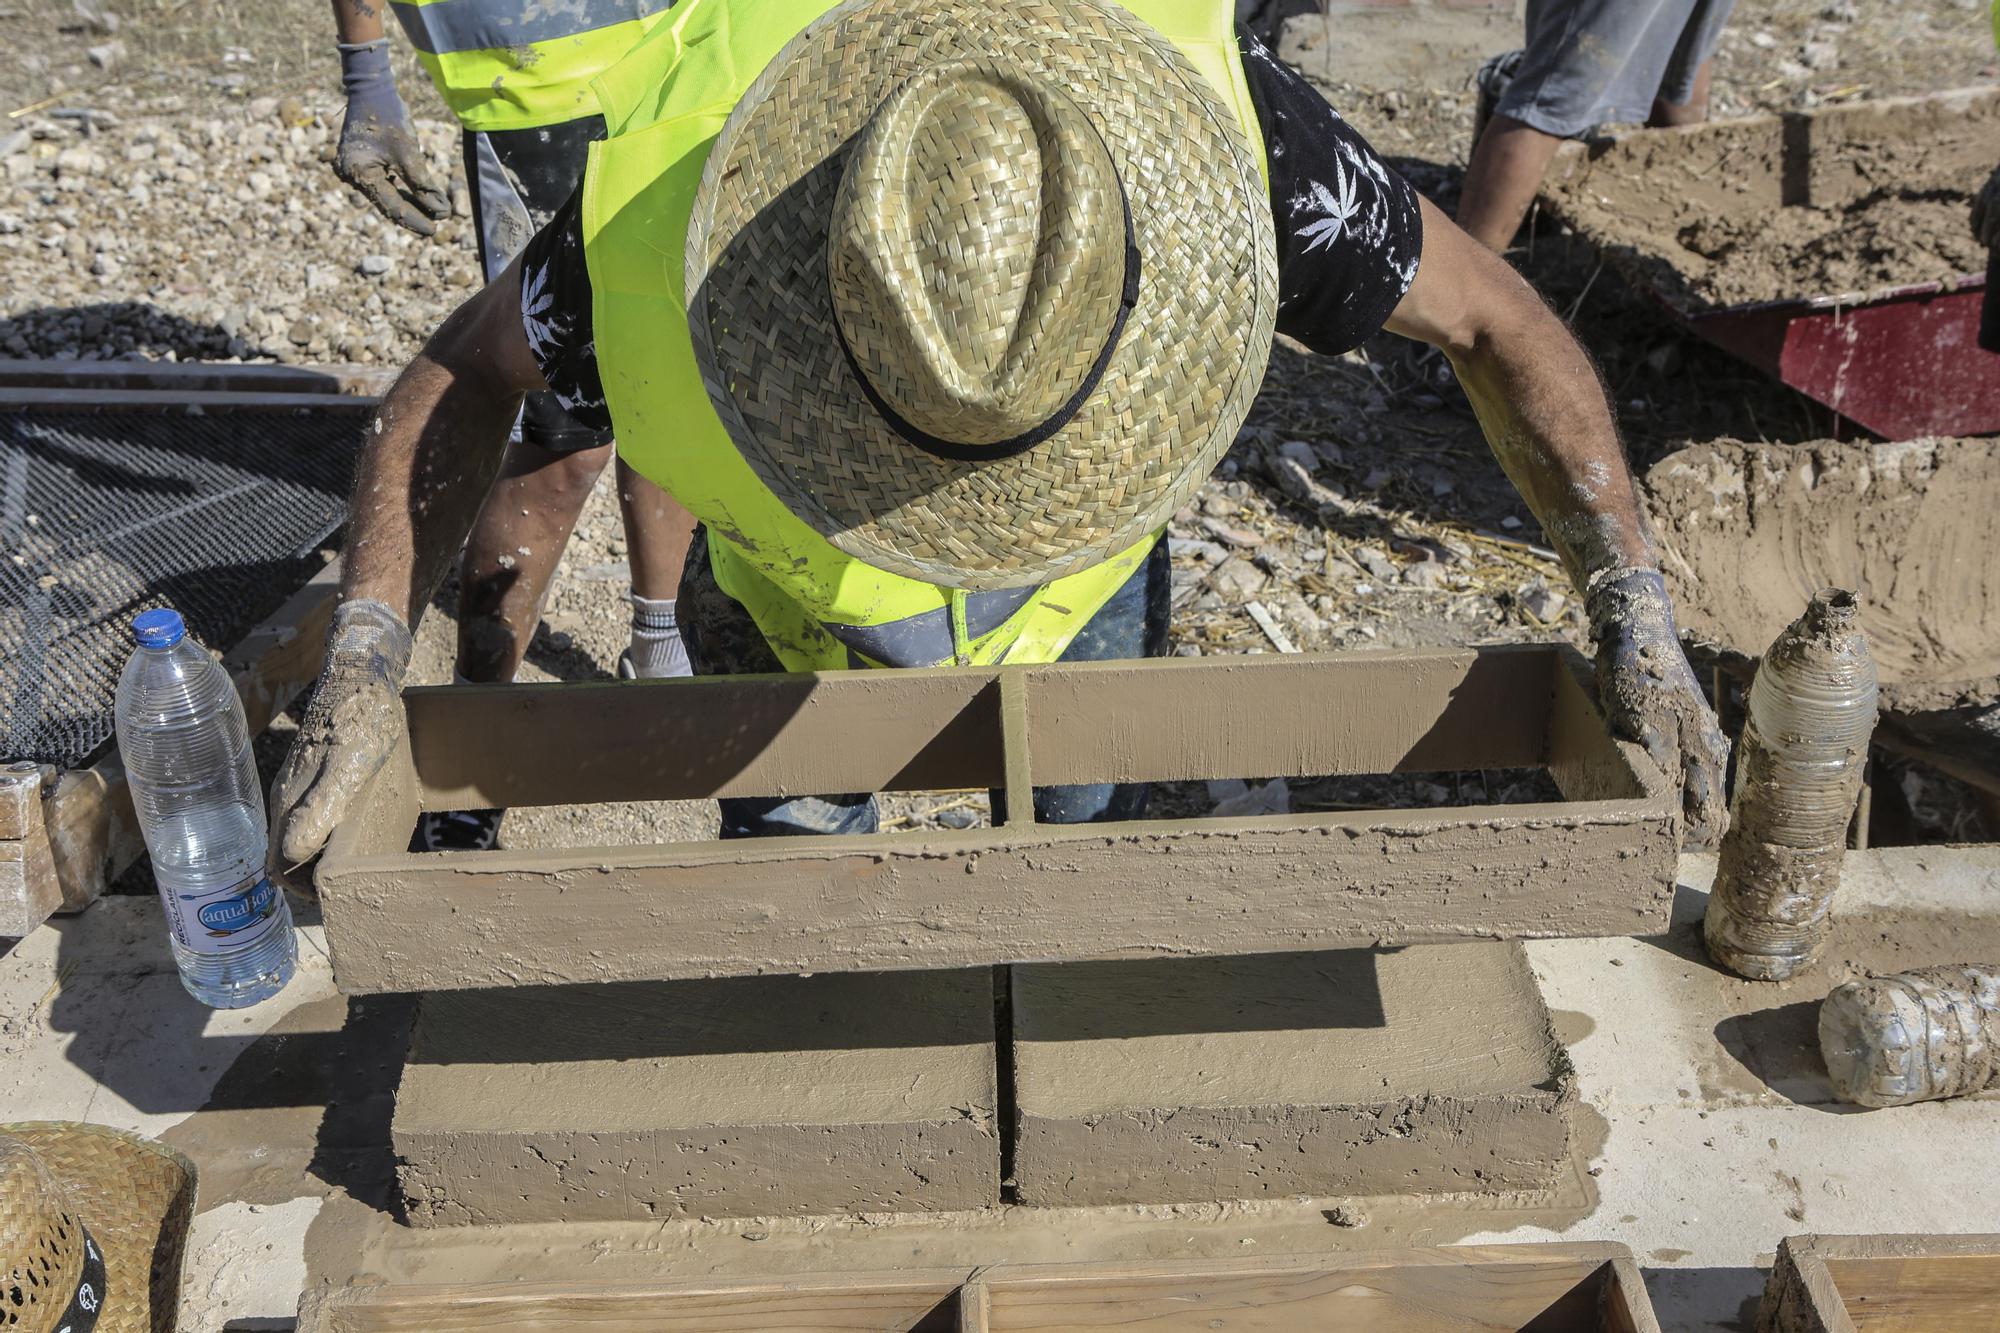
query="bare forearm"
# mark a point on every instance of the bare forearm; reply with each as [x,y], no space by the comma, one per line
[424,473]
[1545,416]
[358,21]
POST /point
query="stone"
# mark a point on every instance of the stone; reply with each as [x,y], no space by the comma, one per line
[1542,602]
[1424,574]
[1376,563]
[1421,1070]
[374,266]
[1301,453]
[1237,577]
[738,1097]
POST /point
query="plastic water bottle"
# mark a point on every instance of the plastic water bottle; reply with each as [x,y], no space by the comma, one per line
[1798,776]
[186,751]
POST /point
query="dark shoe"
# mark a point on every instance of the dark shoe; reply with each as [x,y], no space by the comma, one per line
[458,831]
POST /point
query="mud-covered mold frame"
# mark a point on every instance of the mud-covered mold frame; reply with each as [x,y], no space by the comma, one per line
[1602,861]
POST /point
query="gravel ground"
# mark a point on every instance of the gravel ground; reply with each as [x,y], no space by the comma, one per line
[165,191]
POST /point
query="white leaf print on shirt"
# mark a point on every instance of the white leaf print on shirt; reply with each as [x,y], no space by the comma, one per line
[536,303]
[1336,208]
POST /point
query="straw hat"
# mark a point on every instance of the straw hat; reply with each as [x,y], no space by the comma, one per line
[982,289]
[92,1224]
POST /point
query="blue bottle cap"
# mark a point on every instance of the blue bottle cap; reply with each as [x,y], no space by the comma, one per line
[158,629]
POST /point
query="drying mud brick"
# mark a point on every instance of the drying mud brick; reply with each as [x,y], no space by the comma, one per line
[1428,1069]
[752,1096]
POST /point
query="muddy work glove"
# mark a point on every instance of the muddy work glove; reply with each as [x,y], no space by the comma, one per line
[1986,212]
[379,154]
[350,728]
[1649,694]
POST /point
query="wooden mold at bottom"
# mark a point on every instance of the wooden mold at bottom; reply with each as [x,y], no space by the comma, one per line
[1599,862]
[1589,1288]
[1883,1284]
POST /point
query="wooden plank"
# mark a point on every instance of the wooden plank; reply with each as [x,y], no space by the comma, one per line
[983,896]
[197,402]
[1884,1284]
[1583,758]
[1625,1306]
[1298,715]
[1264,716]
[1550,1288]
[864,1303]
[975,1307]
[280,658]
[517,745]
[1016,761]
[196,376]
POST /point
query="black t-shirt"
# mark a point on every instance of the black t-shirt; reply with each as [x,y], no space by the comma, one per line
[1349,237]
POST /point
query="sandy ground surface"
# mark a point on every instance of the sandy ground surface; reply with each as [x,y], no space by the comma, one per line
[165,191]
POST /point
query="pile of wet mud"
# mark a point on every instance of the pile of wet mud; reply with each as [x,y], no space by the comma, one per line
[1748,532]
[1844,201]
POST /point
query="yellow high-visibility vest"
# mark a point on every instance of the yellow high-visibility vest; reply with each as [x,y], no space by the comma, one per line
[519,64]
[818,607]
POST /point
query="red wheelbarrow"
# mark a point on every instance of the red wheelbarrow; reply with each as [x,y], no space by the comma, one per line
[1830,248]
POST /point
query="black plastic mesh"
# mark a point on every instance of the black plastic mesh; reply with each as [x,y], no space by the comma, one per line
[104,515]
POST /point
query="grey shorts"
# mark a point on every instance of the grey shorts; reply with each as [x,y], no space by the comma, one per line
[1593,62]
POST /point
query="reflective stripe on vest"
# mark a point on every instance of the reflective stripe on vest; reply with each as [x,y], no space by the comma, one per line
[817,607]
[518,64]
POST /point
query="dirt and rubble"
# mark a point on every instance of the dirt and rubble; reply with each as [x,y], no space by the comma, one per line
[171,196]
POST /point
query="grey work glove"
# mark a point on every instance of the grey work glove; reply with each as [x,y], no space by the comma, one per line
[1986,212]
[1649,694]
[378,153]
[350,728]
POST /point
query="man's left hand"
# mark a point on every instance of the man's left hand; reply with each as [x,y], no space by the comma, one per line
[1649,694]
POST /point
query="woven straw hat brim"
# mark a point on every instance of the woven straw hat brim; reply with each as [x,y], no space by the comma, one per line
[136,1198]
[1189,362]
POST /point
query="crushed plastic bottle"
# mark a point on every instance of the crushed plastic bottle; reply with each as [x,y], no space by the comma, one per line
[1915,1036]
[1798,778]
[186,750]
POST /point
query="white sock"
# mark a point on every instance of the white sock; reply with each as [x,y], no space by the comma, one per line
[657,651]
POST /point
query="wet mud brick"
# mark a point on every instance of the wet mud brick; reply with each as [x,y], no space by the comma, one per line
[747,1096]
[1430,1069]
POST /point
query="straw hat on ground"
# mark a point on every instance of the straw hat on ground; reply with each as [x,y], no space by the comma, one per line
[92,1225]
[982,291]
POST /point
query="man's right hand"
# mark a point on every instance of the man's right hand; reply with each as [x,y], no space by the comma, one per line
[379,154]
[349,731]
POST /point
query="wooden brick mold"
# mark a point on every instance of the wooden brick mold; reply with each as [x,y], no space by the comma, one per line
[1883,1284]
[1600,862]
[1466,1289]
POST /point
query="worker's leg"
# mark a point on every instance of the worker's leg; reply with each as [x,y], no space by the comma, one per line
[722,640]
[517,180]
[1501,182]
[513,551]
[657,532]
[1691,112]
[1132,624]
[1586,63]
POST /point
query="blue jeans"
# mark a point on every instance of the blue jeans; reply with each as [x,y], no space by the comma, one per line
[718,633]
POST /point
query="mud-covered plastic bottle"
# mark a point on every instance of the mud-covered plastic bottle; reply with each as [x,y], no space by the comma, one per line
[1798,777]
[1915,1036]
[186,751]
